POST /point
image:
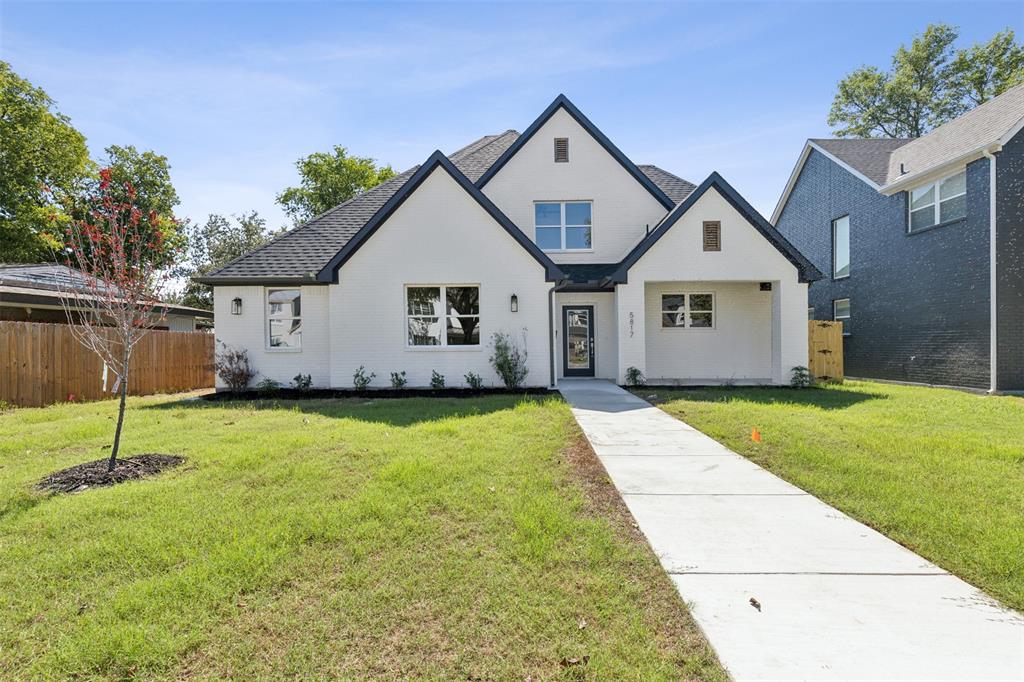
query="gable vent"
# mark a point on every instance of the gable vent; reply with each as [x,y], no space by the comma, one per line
[561,150]
[712,235]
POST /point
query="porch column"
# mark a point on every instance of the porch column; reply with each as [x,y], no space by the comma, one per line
[789,329]
[629,312]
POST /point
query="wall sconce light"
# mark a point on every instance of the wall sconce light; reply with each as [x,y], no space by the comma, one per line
[236,306]
[515,303]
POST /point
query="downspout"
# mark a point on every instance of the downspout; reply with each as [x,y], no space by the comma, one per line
[558,286]
[993,346]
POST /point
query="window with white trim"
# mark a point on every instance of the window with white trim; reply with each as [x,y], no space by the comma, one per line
[938,202]
[284,319]
[841,247]
[841,313]
[563,225]
[691,311]
[443,315]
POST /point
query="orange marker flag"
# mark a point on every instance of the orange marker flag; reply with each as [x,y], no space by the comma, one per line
[755,435]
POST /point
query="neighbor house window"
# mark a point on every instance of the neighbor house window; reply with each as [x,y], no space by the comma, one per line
[810,312]
[442,315]
[841,313]
[284,318]
[696,311]
[939,202]
[841,247]
[563,225]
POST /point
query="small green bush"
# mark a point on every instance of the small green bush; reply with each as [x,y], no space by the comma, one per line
[398,379]
[508,360]
[302,382]
[801,377]
[474,381]
[634,377]
[361,380]
[268,386]
[436,380]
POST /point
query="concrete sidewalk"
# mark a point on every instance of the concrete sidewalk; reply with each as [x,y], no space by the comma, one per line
[838,601]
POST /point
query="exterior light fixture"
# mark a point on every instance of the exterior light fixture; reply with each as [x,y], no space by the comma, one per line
[515,303]
[236,306]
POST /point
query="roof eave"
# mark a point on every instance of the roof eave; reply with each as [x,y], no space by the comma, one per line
[912,179]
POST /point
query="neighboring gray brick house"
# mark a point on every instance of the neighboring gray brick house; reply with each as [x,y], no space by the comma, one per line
[903,231]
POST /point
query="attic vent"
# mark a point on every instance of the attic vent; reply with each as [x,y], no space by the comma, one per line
[561,150]
[712,235]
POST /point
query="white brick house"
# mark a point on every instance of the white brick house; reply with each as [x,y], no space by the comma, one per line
[553,235]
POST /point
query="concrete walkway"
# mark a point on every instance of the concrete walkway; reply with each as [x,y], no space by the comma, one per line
[838,601]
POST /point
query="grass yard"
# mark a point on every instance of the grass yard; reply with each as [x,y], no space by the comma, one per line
[432,538]
[940,471]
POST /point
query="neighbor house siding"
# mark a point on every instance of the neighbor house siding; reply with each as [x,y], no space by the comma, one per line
[919,301]
[622,207]
[1010,264]
[249,331]
[440,235]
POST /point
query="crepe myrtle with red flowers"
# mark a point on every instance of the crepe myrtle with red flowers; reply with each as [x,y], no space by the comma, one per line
[118,300]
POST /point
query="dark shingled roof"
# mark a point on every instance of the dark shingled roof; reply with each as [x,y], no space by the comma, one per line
[300,253]
[870,157]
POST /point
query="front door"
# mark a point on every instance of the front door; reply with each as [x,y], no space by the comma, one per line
[578,344]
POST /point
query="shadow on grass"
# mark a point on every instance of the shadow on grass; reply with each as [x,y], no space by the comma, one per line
[821,398]
[391,411]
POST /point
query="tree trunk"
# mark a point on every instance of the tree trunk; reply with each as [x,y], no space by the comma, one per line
[120,418]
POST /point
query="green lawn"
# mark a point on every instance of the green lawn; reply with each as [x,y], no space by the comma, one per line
[940,471]
[431,538]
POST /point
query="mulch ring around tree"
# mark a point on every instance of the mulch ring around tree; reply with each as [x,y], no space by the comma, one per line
[94,474]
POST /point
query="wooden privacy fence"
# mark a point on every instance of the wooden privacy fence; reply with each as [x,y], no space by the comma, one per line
[41,364]
[825,350]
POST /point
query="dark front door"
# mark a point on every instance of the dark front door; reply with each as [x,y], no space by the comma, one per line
[578,344]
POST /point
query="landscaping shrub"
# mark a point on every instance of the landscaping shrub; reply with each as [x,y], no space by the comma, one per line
[436,380]
[398,379]
[361,380]
[302,382]
[634,377]
[474,381]
[232,366]
[268,386]
[508,360]
[801,377]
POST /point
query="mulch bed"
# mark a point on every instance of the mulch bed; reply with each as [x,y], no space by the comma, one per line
[323,393]
[94,474]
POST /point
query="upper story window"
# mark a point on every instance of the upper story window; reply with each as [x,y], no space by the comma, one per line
[284,319]
[841,247]
[563,225]
[442,315]
[561,150]
[939,202]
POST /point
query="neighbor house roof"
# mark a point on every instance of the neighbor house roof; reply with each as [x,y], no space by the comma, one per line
[869,157]
[300,254]
[988,125]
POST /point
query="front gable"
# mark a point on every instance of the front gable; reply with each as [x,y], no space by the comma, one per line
[624,200]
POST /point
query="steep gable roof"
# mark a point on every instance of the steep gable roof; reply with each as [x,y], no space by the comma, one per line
[562,102]
[437,160]
[806,270]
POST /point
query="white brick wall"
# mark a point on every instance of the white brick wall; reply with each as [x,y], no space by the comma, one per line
[605,341]
[622,208]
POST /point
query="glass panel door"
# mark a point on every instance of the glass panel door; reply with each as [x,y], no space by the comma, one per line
[579,341]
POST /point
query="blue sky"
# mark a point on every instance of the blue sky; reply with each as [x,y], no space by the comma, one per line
[234,92]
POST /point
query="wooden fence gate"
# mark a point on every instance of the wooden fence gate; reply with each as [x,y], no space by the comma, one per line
[41,364]
[825,350]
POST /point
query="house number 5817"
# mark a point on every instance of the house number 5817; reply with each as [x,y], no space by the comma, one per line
[631,325]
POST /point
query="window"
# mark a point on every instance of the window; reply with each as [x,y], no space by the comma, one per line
[841,313]
[810,312]
[455,323]
[561,150]
[284,318]
[841,247]
[712,235]
[694,311]
[939,202]
[563,226]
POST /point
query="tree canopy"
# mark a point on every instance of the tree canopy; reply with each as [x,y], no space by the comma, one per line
[328,179]
[929,82]
[43,159]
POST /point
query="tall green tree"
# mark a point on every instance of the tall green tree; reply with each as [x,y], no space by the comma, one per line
[43,160]
[215,243]
[328,179]
[929,83]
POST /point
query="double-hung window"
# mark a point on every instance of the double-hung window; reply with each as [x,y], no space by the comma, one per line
[939,202]
[563,225]
[841,247]
[446,315]
[695,311]
[841,313]
[284,319]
